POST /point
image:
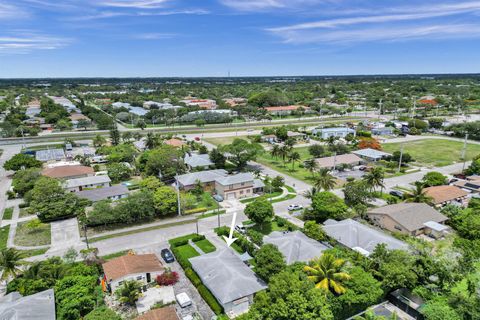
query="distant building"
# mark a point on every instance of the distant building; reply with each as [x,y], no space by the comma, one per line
[40,305]
[160,105]
[197,161]
[50,155]
[176,143]
[334,162]
[201,103]
[66,103]
[285,110]
[385,131]
[142,267]
[339,132]
[371,154]
[233,102]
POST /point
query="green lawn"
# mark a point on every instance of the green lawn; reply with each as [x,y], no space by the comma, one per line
[277,164]
[4,236]
[114,255]
[263,196]
[32,237]
[434,152]
[224,140]
[33,252]
[206,246]
[266,229]
[7,213]
[187,251]
[47,146]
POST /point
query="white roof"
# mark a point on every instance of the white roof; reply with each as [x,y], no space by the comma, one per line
[435,226]
[202,176]
[78,182]
[356,236]
[226,275]
[371,153]
[236,178]
[197,160]
[36,306]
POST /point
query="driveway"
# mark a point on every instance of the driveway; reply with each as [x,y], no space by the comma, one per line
[65,234]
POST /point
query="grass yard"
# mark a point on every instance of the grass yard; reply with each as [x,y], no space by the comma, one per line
[224,140]
[38,236]
[7,213]
[4,236]
[187,251]
[47,146]
[269,228]
[277,164]
[114,255]
[434,152]
[263,196]
[33,252]
[206,246]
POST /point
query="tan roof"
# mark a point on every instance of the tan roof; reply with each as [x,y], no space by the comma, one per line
[174,142]
[284,108]
[441,194]
[131,264]
[348,158]
[67,171]
[78,116]
[165,313]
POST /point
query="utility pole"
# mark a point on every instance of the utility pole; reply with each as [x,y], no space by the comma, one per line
[178,196]
[380,108]
[334,161]
[464,152]
[401,157]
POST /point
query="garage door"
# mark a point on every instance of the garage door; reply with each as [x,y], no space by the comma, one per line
[240,307]
[231,196]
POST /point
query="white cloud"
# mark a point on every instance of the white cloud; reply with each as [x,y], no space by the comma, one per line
[24,42]
[138,4]
[9,11]
[154,36]
[388,24]
[260,5]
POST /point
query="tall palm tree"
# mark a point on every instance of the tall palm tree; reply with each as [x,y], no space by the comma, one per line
[326,272]
[284,151]
[418,194]
[325,180]
[375,178]
[10,262]
[311,165]
[151,141]
[310,193]
[275,151]
[294,157]
[331,140]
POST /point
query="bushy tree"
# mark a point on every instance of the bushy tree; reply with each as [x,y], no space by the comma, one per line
[165,200]
[326,205]
[150,183]
[24,180]
[357,192]
[118,172]
[164,160]
[217,158]
[259,211]
[21,161]
[241,152]
[316,150]
[269,261]
[434,178]
[102,313]
[314,230]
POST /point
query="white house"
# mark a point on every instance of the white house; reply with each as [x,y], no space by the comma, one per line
[80,184]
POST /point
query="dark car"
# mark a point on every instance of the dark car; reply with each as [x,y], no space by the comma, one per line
[167,256]
[397,193]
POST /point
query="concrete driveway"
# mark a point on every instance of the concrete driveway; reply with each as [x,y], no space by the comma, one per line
[65,234]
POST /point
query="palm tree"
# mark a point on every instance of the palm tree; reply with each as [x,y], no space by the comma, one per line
[326,272]
[129,292]
[10,262]
[311,165]
[418,194]
[151,141]
[284,151]
[331,140]
[294,157]
[375,178]
[275,152]
[310,193]
[325,180]
[99,141]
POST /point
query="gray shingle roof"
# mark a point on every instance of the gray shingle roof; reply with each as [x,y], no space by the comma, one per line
[236,178]
[197,160]
[371,153]
[36,306]
[354,235]
[103,193]
[50,154]
[295,246]
[72,183]
[202,176]
[257,183]
[226,276]
[411,216]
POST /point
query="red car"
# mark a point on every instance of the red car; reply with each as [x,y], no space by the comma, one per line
[197,138]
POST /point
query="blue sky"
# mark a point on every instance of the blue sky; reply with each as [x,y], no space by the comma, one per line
[82,38]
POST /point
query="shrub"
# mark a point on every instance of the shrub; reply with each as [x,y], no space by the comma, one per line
[210,299]
[178,243]
[184,263]
[168,278]
[194,278]
[193,211]
[198,237]
[23,205]
[255,236]
[222,231]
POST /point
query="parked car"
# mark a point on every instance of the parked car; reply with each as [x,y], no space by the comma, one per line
[197,138]
[295,207]
[240,228]
[218,198]
[183,300]
[396,193]
[167,256]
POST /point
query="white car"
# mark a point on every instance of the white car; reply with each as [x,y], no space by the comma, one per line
[240,228]
[295,207]
[183,300]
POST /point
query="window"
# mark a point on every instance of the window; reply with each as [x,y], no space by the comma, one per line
[243,183]
[241,192]
[248,190]
[139,278]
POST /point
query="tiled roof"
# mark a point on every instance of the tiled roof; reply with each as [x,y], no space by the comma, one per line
[202,176]
[174,142]
[411,216]
[165,313]
[329,162]
[284,108]
[67,171]
[441,194]
[131,264]
[103,193]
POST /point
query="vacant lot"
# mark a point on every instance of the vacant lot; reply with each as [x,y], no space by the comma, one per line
[434,152]
[29,237]
[224,140]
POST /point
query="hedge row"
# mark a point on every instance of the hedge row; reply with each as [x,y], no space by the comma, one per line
[210,299]
[194,278]
[193,211]
[281,222]
[181,260]
[242,241]
[181,241]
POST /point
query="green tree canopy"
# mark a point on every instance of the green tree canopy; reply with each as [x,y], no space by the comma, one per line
[269,261]
[165,200]
[21,161]
[259,211]
[241,151]
[434,178]
[326,205]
